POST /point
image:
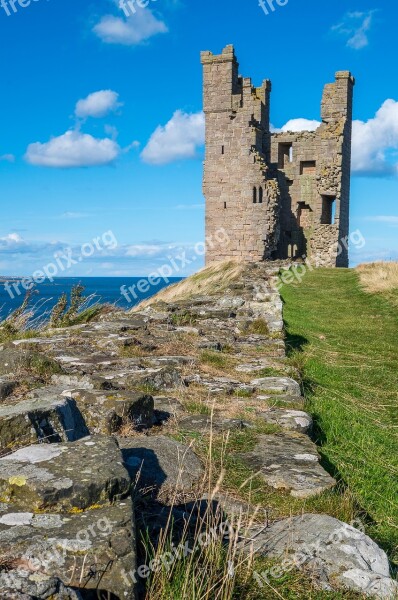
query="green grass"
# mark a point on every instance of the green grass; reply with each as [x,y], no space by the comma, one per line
[346,342]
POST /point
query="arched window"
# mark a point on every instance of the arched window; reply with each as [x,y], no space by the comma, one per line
[260,199]
[254,195]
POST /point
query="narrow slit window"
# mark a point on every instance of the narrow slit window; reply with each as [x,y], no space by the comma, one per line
[225,205]
[222,150]
[254,195]
[260,198]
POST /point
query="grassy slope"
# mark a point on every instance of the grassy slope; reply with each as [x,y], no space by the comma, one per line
[349,344]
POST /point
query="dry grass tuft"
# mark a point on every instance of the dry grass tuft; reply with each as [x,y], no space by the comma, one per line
[379,276]
[208,281]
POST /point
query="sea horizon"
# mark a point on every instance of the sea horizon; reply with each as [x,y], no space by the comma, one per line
[122,292]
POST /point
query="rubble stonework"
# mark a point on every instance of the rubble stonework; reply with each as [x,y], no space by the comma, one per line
[278,195]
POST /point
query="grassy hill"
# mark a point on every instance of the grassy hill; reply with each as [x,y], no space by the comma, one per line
[343,332]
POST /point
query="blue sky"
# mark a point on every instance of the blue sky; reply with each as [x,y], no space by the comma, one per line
[101,126]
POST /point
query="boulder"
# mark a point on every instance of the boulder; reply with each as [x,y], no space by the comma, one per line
[106,411]
[166,409]
[289,461]
[94,550]
[164,464]
[336,554]
[44,415]
[64,477]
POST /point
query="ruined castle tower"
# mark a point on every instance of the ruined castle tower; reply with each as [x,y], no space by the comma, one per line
[278,195]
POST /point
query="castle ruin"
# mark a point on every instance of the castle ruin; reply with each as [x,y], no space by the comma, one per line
[278,195]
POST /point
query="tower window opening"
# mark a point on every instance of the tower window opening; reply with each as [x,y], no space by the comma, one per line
[254,195]
[225,205]
[328,216]
[260,195]
[222,149]
[285,155]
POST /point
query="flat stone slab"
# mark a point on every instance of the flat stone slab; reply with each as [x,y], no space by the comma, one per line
[163,463]
[106,411]
[289,461]
[291,420]
[219,385]
[336,554]
[92,550]
[205,424]
[64,477]
[45,415]
[281,385]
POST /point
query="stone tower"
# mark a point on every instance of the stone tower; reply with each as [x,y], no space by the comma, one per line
[277,195]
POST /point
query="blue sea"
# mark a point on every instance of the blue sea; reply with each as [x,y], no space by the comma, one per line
[98,289]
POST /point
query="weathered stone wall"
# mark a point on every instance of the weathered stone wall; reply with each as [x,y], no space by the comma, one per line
[279,195]
[241,194]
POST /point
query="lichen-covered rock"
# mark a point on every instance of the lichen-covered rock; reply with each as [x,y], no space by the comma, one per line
[282,385]
[336,554]
[289,461]
[16,362]
[106,411]
[44,415]
[92,550]
[291,420]
[64,477]
[166,409]
[162,463]
[22,584]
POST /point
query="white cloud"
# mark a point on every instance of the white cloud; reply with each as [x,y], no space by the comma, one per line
[299,125]
[98,104]
[129,31]
[73,149]
[178,139]
[11,242]
[375,142]
[7,158]
[355,27]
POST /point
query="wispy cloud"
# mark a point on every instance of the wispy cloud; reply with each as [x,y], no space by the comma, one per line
[388,219]
[7,158]
[73,215]
[355,27]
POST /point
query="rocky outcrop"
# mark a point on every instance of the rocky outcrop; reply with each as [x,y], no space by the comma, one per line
[97,417]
